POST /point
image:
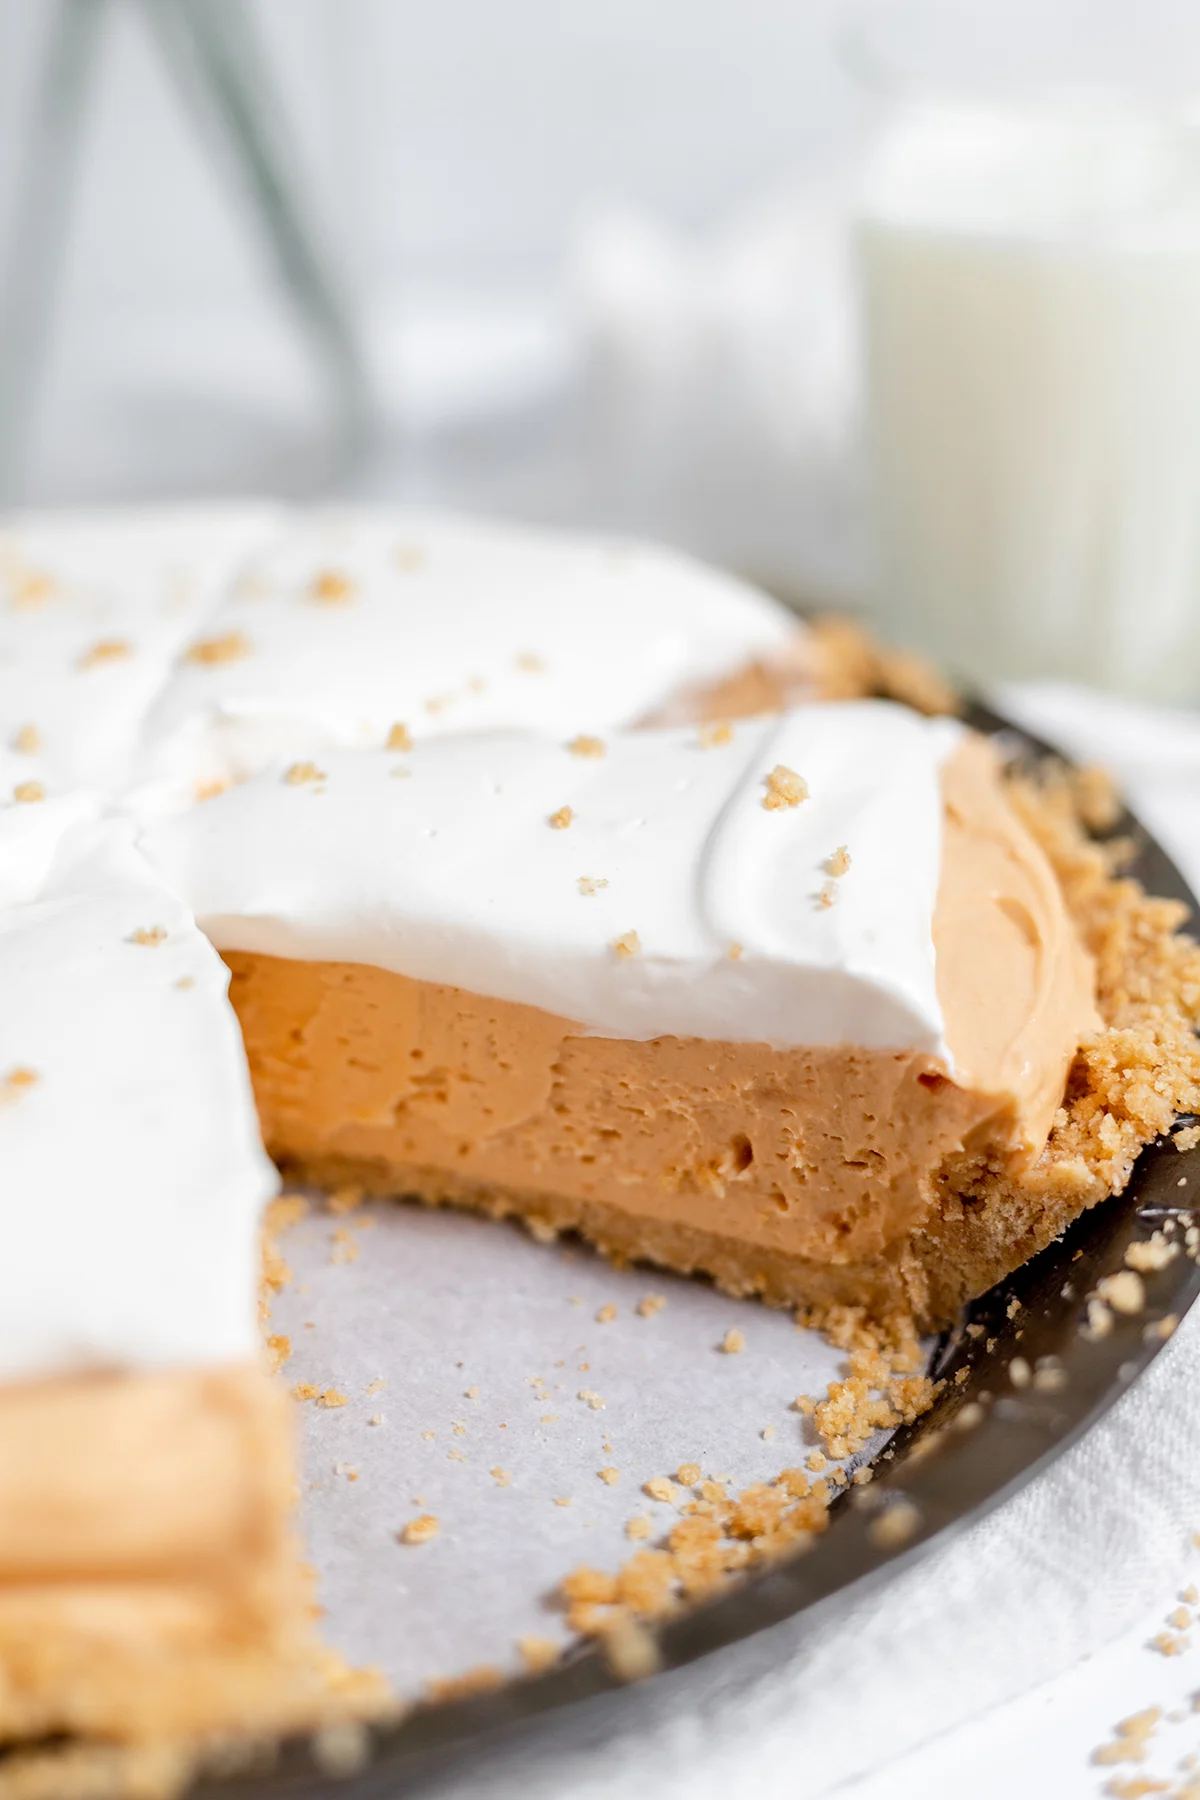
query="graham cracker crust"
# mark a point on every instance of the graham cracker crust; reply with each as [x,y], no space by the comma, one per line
[851,664]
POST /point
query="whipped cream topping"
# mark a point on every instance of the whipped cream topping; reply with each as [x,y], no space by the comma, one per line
[94,609]
[346,625]
[663,886]
[145,653]
[33,822]
[131,1172]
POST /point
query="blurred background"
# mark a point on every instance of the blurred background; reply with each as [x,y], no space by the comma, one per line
[574,239]
[892,304]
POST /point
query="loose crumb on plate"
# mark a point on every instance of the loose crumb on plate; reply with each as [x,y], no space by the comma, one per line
[1124,1292]
[482,1679]
[346,1199]
[285,1211]
[895,1525]
[1131,1739]
[538,1653]
[420,1530]
[1151,1254]
[1169,1643]
[630,1650]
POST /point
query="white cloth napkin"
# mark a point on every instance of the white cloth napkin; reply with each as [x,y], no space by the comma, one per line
[1069,1563]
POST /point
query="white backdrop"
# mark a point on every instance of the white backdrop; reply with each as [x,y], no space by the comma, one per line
[690,375]
[453,137]
[454,150]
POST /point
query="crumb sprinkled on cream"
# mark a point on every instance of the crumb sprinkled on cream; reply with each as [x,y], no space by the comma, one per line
[149,935]
[300,772]
[105,650]
[30,587]
[17,1081]
[331,588]
[784,788]
[227,646]
[710,737]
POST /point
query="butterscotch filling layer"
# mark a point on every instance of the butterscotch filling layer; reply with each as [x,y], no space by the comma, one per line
[825,1154]
[1017,989]
[803,1156]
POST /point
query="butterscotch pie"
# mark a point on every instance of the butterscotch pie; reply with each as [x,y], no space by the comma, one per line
[750,1006]
[477,866]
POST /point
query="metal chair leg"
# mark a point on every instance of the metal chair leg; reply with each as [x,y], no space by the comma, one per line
[40,223]
[214,52]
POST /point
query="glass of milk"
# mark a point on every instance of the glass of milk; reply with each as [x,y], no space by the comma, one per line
[1028,242]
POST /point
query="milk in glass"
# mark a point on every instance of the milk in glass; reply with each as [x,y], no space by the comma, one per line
[1031,295]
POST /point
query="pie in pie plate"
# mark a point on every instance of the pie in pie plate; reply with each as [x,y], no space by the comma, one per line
[472,865]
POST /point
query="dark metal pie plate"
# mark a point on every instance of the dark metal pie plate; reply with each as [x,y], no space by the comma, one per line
[951,1475]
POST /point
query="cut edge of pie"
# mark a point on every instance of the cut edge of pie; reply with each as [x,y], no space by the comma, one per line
[983,1210]
[157,1647]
